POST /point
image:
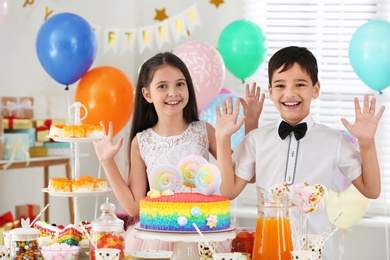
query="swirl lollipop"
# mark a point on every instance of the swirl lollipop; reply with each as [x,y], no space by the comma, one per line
[189,167]
[208,179]
[166,177]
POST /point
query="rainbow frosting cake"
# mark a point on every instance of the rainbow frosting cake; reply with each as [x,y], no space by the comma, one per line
[177,212]
[165,208]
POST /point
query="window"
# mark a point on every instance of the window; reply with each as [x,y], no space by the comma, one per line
[325,28]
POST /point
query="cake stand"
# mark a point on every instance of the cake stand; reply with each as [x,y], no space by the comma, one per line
[185,244]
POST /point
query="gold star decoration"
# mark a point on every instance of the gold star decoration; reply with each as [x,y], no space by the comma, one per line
[217,2]
[160,15]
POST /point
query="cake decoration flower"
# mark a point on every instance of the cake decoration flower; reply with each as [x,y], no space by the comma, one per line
[212,221]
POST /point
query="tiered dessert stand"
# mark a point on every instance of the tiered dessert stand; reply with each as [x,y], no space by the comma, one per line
[185,244]
[76,172]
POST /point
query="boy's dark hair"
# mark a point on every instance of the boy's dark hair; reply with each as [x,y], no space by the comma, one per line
[287,56]
[145,115]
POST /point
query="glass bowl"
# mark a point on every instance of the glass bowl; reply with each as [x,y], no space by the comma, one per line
[60,251]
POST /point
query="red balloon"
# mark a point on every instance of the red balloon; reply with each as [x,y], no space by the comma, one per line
[108,95]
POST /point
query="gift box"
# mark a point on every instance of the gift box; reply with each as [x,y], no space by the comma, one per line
[1,138]
[27,211]
[43,127]
[17,123]
[7,222]
[38,151]
[30,132]
[16,146]
[22,107]
[57,148]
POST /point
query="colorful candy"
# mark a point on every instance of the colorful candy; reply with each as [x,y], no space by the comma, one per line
[189,167]
[208,179]
[166,177]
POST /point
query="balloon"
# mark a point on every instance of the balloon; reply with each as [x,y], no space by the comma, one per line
[206,68]
[369,53]
[350,203]
[66,47]
[208,114]
[108,95]
[339,181]
[241,45]
[225,91]
[3,10]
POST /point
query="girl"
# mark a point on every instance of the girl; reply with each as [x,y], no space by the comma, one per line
[165,128]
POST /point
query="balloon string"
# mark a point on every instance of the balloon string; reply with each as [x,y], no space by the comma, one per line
[67,87]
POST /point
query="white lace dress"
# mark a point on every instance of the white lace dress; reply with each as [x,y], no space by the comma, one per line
[157,150]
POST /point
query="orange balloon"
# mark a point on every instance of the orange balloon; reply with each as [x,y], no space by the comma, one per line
[108,95]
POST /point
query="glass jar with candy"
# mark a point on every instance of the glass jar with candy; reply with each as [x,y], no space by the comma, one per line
[107,231]
[24,243]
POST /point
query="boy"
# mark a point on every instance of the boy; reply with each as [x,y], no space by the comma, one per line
[310,153]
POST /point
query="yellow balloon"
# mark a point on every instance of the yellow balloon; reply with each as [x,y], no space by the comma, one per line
[350,203]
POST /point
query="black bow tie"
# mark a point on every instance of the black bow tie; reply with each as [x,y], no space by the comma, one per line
[285,129]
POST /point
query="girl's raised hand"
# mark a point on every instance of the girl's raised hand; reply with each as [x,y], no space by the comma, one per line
[366,121]
[253,102]
[105,148]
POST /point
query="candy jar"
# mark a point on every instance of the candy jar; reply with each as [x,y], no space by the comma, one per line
[107,231]
[273,239]
[24,242]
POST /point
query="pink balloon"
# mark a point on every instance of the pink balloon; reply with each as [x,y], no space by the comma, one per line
[206,67]
[3,10]
[225,91]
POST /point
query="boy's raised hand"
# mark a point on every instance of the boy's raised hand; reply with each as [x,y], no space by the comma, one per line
[227,123]
[366,121]
[253,103]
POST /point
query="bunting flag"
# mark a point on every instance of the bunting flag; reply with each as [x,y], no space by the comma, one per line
[171,30]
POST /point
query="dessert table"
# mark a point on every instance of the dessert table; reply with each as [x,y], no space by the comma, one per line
[44,162]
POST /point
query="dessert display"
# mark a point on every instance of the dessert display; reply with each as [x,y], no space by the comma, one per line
[165,208]
[83,184]
[244,241]
[76,131]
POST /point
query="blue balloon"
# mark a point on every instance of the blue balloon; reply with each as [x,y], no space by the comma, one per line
[208,114]
[66,47]
[369,53]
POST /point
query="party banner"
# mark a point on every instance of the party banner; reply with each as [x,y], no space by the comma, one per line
[120,40]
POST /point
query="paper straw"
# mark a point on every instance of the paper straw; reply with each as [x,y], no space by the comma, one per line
[40,213]
[204,239]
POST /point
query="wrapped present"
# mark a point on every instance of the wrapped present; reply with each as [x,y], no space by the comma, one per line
[38,151]
[13,122]
[27,211]
[17,106]
[57,148]
[30,132]
[43,127]
[7,222]
[1,138]
[15,148]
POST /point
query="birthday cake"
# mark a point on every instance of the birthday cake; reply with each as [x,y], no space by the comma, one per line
[166,208]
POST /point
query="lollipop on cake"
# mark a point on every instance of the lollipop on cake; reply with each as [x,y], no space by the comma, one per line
[189,167]
[166,177]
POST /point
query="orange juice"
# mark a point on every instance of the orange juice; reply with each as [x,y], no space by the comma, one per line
[273,239]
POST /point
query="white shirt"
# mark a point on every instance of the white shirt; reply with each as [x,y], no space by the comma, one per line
[320,152]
